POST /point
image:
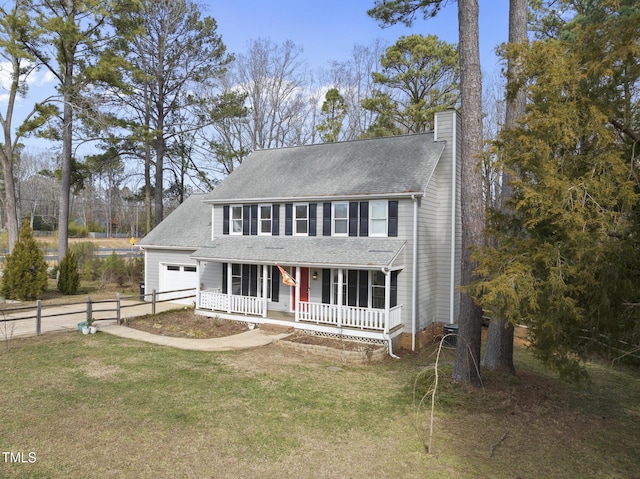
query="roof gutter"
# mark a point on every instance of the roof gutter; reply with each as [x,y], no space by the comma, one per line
[288,199]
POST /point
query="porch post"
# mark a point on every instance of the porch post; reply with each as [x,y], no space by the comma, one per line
[199,270]
[387,300]
[229,286]
[297,293]
[264,289]
[264,281]
[340,295]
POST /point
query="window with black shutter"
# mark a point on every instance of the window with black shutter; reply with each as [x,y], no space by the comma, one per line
[326,286]
[313,214]
[364,218]
[225,220]
[363,287]
[353,218]
[224,278]
[393,218]
[246,219]
[352,287]
[254,219]
[275,284]
[288,219]
[326,219]
[275,224]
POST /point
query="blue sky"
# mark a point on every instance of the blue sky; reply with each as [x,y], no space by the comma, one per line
[329,29]
[326,29]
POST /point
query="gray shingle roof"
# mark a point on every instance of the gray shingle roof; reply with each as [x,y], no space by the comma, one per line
[188,226]
[393,165]
[312,251]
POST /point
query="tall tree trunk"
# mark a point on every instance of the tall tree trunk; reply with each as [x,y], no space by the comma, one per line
[11,205]
[7,158]
[67,143]
[147,186]
[466,369]
[148,204]
[159,178]
[498,353]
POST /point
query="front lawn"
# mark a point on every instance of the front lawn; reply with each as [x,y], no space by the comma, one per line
[77,406]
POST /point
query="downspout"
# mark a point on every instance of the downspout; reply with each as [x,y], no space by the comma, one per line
[387,308]
[414,274]
[390,348]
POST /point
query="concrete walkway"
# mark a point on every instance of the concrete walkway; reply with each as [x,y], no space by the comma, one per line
[67,317]
[248,339]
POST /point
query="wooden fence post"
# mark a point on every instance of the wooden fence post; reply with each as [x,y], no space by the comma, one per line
[89,312]
[38,317]
[118,309]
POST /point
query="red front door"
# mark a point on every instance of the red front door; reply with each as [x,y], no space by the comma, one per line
[304,287]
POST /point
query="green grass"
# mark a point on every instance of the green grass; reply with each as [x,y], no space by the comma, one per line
[100,406]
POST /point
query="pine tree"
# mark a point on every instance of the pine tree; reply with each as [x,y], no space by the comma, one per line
[568,261]
[25,270]
[69,279]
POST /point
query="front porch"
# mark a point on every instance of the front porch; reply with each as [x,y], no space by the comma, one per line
[350,321]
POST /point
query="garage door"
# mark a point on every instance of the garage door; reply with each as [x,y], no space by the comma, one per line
[176,277]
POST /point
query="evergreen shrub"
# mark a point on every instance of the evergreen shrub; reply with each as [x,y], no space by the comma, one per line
[25,270]
[69,279]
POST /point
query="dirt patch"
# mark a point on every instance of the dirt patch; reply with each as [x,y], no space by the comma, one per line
[187,324]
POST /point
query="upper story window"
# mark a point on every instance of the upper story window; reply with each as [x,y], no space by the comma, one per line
[340,219]
[264,220]
[360,218]
[236,220]
[378,218]
[301,219]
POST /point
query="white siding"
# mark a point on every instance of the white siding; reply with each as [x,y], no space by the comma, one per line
[448,125]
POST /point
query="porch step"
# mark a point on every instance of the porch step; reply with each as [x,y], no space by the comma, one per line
[276,328]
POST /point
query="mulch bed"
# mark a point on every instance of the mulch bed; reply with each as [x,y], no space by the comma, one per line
[186,324]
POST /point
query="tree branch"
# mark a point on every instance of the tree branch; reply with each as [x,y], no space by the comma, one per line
[627,131]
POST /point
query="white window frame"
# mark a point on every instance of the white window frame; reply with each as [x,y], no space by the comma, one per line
[296,219]
[261,279]
[376,287]
[334,219]
[261,220]
[377,219]
[232,220]
[334,287]
[236,279]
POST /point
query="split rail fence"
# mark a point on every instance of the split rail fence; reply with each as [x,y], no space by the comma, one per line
[98,310]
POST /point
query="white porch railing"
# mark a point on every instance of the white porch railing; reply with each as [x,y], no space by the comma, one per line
[319,313]
[231,303]
[350,316]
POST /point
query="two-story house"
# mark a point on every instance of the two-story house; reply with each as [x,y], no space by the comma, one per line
[359,238]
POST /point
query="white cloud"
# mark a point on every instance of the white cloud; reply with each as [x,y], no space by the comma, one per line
[5,76]
[41,78]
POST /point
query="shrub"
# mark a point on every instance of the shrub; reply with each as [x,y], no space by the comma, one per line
[114,269]
[69,279]
[84,252]
[25,270]
[77,231]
